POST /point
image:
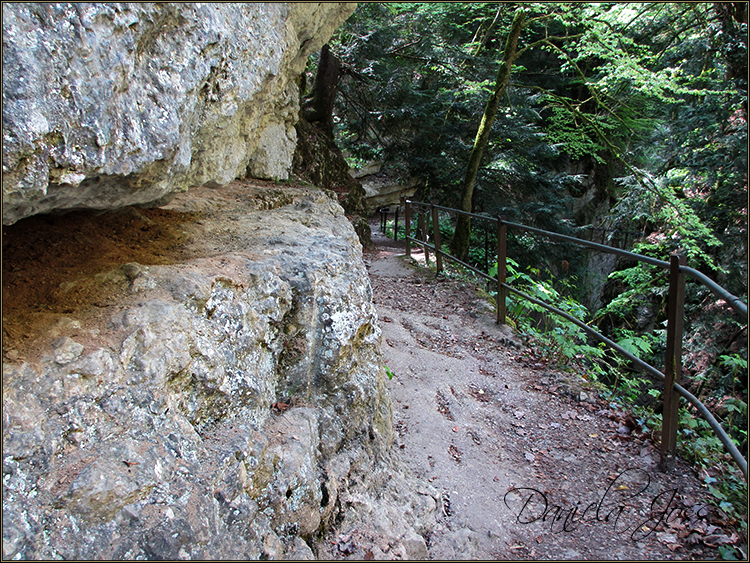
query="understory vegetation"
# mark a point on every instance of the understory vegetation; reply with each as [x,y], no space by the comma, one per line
[621,123]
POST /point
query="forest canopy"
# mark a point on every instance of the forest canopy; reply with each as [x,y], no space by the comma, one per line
[626,117]
[639,108]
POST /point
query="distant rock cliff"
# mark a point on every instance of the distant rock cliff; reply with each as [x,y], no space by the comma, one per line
[107,104]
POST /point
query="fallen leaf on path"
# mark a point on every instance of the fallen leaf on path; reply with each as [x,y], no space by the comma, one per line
[715,540]
[519,414]
[693,538]
[280,407]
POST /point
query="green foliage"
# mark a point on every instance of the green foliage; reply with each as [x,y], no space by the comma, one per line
[728,553]
[639,346]
[389,373]
[576,139]
[389,228]
[724,481]
[734,364]
[430,89]
[559,337]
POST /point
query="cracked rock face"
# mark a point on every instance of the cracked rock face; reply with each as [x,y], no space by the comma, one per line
[107,105]
[224,406]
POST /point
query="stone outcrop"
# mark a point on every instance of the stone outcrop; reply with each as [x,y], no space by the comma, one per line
[228,402]
[381,189]
[107,105]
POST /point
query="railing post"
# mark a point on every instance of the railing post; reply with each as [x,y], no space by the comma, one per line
[436,239]
[501,259]
[673,363]
[407,218]
[395,225]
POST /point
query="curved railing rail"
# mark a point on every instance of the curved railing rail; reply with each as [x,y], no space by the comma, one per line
[675,315]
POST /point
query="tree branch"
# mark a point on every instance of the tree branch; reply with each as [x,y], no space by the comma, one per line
[488,34]
[547,40]
[404,46]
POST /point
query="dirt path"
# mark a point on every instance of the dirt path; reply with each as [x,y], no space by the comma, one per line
[502,437]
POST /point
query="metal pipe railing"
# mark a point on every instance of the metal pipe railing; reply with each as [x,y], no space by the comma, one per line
[732,300]
[692,399]
[384,221]
[678,270]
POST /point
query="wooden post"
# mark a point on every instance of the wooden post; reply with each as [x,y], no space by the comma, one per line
[407,218]
[673,363]
[395,225]
[436,240]
[501,260]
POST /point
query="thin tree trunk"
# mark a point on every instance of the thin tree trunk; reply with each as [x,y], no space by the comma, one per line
[488,34]
[460,243]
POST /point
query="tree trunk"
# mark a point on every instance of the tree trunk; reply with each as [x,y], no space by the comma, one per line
[320,107]
[460,243]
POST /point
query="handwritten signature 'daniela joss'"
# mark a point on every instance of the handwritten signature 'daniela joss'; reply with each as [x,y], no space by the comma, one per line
[620,506]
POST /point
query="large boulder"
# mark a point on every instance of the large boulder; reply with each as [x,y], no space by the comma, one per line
[107,105]
[226,401]
[382,190]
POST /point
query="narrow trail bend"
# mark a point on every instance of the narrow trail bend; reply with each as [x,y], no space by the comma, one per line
[504,438]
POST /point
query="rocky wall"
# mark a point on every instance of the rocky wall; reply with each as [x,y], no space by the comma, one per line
[107,105]
[227,402]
